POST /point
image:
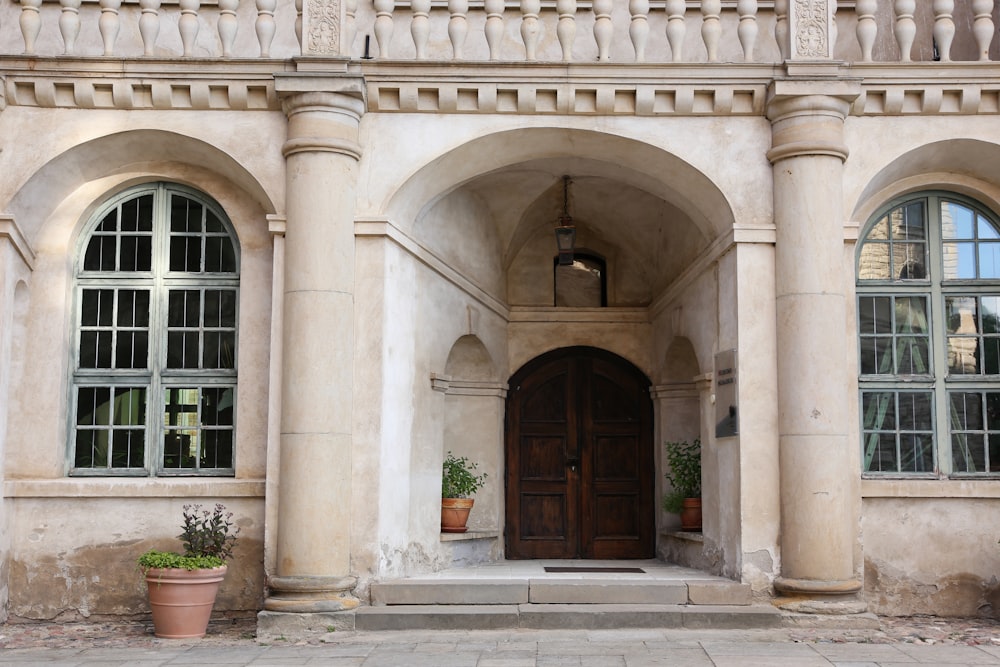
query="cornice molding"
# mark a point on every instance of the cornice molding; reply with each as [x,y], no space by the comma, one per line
[735,89]
[12,233]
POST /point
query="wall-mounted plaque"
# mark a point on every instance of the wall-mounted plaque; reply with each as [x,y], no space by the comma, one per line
[727,422]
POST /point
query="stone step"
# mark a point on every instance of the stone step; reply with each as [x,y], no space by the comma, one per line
[559,591]
[565,616]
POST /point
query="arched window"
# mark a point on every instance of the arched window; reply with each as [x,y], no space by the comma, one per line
[928,291]
[156,306]
[583,283]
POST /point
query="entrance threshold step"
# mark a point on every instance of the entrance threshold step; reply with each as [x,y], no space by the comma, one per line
[565,616]
[559,591]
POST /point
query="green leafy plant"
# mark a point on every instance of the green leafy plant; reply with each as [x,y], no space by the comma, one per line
[458,479]
[684,459]
[208,537]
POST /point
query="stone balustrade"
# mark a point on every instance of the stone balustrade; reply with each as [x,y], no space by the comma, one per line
[470,31]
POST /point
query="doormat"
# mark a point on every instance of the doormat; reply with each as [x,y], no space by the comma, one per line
[586,568]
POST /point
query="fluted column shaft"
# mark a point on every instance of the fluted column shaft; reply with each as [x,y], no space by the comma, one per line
[818,517]
[313,554]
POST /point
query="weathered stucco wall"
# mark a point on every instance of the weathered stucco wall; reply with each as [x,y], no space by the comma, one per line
[74,558]
[936,556]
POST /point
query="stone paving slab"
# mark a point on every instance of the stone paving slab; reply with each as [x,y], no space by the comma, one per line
[897,643]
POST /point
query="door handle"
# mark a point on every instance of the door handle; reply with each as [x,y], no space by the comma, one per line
[572,464]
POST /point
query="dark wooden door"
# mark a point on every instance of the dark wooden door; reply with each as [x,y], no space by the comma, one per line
[579,458]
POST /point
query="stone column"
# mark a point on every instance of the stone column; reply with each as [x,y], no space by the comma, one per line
[313,551]
[819,522]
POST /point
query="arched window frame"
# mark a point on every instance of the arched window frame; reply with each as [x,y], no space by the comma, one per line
[181,395]
[916,388]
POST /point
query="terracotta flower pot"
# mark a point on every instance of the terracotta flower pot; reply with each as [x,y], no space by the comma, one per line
[182,600]
[455,514]
[691,515]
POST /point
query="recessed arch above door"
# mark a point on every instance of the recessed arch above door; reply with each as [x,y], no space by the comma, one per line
[579,458]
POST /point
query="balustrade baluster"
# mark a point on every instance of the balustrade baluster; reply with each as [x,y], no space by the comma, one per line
[603,29]
[747,30]
[420,28]
[781,34]
[109,24]
[383,25]
[350,27]
[188,25]
[906,28]
[69,24]
[265,27]
[982,26]
[566,28]
[638,29]
[494,26]
[529,27]
[867,29]
[149,25]
[676,28]
[944,28]
[711,28]
[458,26]
[228,26]
[31,24]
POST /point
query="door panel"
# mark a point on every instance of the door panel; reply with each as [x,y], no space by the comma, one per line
[579,458]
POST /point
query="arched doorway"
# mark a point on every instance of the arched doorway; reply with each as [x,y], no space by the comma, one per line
[579,458]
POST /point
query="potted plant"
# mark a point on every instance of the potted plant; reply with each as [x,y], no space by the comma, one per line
[182,587]
[684,459]
[458,482]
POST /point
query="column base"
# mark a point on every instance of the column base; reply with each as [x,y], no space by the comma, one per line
[310,594]
[813,596]
[283,626]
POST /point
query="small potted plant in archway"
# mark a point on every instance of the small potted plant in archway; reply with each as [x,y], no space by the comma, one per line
[182,587]
[684,459]
[458,482]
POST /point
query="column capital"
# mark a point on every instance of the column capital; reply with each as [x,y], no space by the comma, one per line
[324,112]
[807,117]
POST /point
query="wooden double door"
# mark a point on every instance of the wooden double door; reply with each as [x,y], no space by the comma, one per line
[579,458]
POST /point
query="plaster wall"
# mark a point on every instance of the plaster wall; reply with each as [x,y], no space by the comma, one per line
[69,560]
[931,555]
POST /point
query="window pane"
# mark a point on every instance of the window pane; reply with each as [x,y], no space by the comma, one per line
[580,284]
[182,349]
[986,229]
[959,261]
[220,256]
[874,261]
[106,434]
[903,445]
[100,254]
[875,314]
[989,260]
[913,356]
[957,221]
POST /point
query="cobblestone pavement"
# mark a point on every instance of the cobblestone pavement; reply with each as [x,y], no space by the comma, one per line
[896,643]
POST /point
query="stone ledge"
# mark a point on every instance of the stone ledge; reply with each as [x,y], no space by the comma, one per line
[134,487]
[470,535]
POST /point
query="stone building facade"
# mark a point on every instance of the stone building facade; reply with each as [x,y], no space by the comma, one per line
[285,256]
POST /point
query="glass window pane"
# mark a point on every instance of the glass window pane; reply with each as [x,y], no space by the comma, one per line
[986,229]
[990,306]
[957,221]
[911,315]
[910,261]
[959,261]
[916,452]
[966,411]
[913,356]
[989,260]
[879,411]
[874,262]
[97,308]
[961,315]
[100,254]
[914,411]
